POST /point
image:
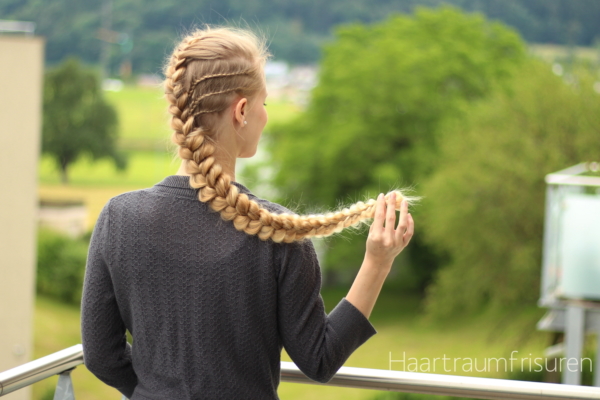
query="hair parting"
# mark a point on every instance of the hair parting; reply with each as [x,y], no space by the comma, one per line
[203,75]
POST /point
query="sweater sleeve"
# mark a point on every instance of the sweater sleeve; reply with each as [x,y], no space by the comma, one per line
[319,344]
[105,349]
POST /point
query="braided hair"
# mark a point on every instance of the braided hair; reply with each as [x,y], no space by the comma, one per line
[205,73]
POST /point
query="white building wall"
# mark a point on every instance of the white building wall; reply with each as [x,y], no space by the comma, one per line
[21,78]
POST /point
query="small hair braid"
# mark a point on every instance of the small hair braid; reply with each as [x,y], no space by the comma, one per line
[190,67]
[198,99]
[197,81]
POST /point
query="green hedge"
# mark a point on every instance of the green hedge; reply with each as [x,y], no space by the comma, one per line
[61,265]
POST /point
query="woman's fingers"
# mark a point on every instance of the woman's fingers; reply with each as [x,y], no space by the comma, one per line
[386,241]
[409,230]
[390,215]
[402,222]
[379,214]
[384,229]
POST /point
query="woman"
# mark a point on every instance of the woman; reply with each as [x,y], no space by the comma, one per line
[211,281]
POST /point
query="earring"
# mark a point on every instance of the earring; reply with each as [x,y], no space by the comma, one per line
[245,122]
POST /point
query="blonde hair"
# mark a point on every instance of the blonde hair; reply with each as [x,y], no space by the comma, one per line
[205,73]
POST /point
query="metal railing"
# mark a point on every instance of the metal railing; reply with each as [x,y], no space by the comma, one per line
[444,385]
[61,362]
[65,360]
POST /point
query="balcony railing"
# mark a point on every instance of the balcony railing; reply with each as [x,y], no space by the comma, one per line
[65,360]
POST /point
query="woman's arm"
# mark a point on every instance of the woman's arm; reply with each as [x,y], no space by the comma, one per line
[318,343]
[106,352]
[384,243]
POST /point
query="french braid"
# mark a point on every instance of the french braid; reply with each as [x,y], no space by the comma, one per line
[203,76]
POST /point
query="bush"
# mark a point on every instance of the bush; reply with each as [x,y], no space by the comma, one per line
[485,206]
[60,266]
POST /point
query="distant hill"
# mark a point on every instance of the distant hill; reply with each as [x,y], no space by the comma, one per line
[143,31]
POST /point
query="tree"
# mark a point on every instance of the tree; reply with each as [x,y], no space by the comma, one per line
[485,205]
[77,119]
[384,90]
[295,28]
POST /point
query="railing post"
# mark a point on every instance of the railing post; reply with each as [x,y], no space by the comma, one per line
[64,387]
[574,339]
[597,365]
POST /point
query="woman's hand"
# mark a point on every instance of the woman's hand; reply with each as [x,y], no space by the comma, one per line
[386,240]
[384,243]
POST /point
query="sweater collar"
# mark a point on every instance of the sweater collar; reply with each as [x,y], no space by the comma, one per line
[179,185]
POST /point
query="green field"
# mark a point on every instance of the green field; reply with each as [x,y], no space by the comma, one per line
[401,330]
[144,168]
[144,120]
[144,136]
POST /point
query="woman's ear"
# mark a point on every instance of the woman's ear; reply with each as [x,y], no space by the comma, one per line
[239,113]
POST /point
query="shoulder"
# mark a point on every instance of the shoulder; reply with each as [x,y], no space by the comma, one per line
[304,247]
[120,205]
[128,196]
[126,199]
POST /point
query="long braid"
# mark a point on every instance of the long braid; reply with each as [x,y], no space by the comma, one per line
[202,76]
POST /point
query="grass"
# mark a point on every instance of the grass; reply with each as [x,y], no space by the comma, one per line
[400,329]
[144,168]
[143,117]
[144,120]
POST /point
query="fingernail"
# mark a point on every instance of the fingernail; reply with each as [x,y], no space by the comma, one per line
[380,195]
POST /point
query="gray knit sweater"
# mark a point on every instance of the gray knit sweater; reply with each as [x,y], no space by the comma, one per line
[209,308]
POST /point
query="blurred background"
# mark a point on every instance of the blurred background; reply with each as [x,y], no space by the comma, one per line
[468,103]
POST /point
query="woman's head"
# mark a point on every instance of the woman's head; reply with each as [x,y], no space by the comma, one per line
[207,71]
[216,77]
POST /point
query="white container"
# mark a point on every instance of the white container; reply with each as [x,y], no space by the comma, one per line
[579,242]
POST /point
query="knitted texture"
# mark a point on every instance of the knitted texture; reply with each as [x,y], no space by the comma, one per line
[209,307]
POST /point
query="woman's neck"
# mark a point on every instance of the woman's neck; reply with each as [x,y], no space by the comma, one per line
[225,152]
